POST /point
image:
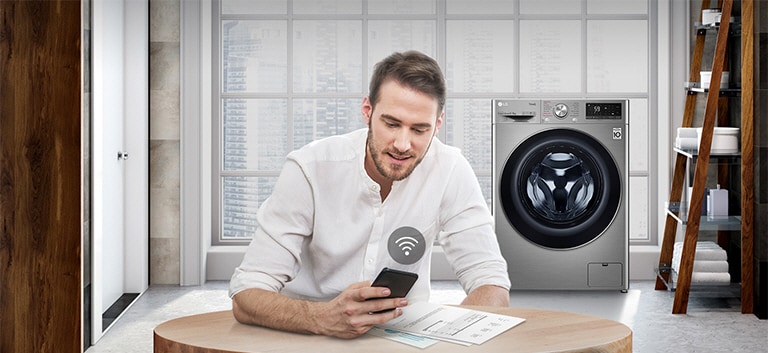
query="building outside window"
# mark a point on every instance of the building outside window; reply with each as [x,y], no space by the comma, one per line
[288,72]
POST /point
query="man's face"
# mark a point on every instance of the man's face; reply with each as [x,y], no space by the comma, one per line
[400,130]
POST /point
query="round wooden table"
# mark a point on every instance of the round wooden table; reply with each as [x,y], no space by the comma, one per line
[542,331]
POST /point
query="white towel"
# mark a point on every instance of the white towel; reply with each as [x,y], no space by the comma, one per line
[708,278]
[703,265]
[700,245]
[705,250]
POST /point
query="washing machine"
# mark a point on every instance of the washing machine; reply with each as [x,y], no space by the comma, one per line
[560,192]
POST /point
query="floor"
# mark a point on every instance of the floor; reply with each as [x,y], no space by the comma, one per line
[713,324]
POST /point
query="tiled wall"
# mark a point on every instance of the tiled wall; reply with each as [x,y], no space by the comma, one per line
[164,141]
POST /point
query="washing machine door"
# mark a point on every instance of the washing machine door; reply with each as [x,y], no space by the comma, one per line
[560,188]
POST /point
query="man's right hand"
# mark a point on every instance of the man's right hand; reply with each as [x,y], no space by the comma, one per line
[349,315]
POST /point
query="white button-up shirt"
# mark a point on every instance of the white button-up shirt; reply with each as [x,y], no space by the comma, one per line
[325,227]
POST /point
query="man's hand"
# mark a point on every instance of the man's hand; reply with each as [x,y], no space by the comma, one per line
[348,315]
[351,313]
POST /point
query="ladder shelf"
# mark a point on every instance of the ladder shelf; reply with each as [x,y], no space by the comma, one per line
[689,213]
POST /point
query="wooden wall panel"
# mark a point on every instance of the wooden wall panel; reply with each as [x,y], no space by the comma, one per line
[40,176]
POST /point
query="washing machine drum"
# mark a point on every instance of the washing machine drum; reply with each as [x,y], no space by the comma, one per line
[560,188]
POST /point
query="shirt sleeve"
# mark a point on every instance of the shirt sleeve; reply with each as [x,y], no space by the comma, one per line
[467,236]
[285,222]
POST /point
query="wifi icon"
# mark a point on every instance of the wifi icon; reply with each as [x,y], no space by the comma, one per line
[406,245]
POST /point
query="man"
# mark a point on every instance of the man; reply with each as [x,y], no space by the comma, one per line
[347,206]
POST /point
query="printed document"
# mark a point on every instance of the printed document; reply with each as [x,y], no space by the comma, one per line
[402,337]
[451,324]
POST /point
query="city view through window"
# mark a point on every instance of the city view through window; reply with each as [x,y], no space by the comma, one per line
[289,76]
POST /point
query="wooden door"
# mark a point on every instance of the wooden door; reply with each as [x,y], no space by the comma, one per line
[40,176]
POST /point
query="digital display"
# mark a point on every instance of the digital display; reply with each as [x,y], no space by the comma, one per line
[604,111]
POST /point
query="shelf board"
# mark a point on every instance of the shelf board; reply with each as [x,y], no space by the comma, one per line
[696,87]
[734,27]
[693,153]
[679,211]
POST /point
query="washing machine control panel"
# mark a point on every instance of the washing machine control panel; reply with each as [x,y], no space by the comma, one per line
[605,110]
[558,111]
[516,111]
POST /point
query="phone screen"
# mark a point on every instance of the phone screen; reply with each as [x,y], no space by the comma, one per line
[398,282]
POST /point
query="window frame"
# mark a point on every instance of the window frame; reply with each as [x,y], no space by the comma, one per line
[442,20]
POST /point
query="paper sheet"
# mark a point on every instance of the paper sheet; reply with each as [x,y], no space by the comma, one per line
[453,324]
[403,337]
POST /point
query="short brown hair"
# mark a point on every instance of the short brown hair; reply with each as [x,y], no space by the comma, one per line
[412,69]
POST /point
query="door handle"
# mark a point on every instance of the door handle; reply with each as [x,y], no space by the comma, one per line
[122,155]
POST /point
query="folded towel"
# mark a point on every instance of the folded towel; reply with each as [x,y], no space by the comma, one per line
[703,265]
[705,250]
[707,244]
[708,278]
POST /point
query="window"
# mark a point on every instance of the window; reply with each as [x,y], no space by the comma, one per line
[288,72]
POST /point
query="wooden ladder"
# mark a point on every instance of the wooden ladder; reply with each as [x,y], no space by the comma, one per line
[715,106]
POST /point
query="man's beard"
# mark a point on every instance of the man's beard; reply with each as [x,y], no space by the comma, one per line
[395,172]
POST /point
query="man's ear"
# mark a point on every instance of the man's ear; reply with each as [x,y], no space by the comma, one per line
[439,122]
[366,109]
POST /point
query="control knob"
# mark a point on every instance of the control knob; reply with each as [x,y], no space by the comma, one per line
[560,110]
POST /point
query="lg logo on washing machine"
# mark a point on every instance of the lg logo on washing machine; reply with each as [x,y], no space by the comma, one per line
[617,134]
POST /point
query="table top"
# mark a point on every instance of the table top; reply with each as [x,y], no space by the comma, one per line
[542,331]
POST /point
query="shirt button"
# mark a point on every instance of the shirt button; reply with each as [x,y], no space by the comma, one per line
[370,261]
[375,188]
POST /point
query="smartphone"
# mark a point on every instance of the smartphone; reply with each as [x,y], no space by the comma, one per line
[398,282]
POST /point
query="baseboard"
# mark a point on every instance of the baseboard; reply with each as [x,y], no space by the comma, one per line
[643,260]
[222,261]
